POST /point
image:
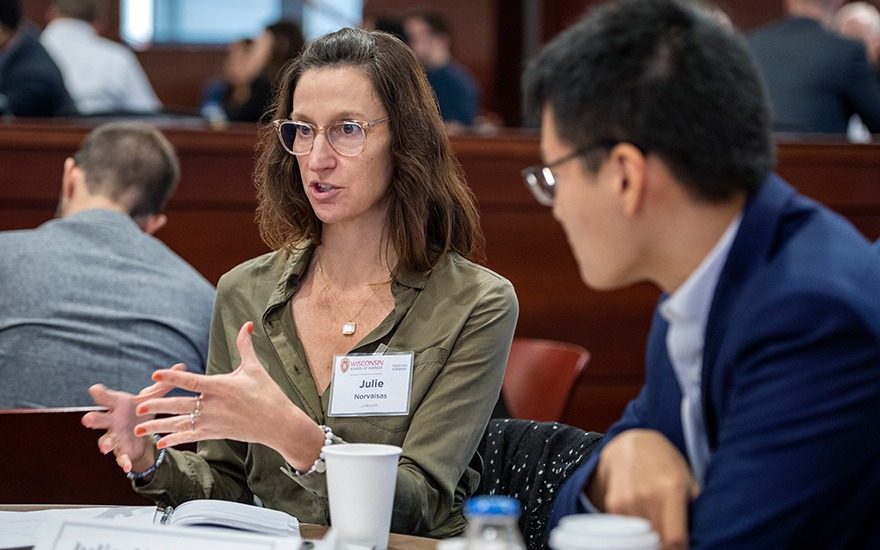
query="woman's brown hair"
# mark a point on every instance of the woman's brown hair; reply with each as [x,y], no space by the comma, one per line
[431,210]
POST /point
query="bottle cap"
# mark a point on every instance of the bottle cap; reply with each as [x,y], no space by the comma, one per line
[492,505]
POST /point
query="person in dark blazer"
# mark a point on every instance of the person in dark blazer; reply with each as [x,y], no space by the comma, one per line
[816,78]
[31,84]
[756,425]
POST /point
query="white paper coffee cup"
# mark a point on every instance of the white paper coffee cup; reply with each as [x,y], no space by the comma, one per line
[603,532]
[361,478]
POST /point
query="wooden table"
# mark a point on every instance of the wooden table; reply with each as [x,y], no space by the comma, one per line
[395,541]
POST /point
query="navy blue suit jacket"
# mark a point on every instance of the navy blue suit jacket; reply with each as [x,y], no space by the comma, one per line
[791,386]
[31,84]
[815,78]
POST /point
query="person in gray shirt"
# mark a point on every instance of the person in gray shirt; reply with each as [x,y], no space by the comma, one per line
[92,296]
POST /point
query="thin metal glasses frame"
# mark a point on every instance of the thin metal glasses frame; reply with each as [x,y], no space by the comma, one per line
[541,181]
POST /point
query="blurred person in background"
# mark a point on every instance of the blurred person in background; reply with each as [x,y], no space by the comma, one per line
[250,70]
[92,296]
[230,94]
[102,76]
[31,85]
[861,21]
[816,78]
[261,62]
[458,95]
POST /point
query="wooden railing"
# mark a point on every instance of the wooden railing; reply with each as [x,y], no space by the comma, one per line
[55,460]
[211,226]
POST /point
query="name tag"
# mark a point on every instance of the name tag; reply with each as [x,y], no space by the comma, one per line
[371,385]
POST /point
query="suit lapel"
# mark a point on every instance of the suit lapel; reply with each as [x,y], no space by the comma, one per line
[751,248]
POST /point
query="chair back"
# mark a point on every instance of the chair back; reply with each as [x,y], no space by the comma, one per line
[49,457]
[530,461]
[540,377]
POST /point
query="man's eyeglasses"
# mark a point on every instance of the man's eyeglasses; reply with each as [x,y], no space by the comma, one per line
[347,137]
[541,181]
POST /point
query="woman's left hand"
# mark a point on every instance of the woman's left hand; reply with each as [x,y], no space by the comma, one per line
[244,405]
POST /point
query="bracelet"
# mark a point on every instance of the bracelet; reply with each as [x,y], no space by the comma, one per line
[319,466]
[151,469]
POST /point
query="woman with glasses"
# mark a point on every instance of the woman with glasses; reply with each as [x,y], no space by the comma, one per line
[366,324]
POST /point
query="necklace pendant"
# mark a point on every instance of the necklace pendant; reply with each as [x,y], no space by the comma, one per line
[348,328]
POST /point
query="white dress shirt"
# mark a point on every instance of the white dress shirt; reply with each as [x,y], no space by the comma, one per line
[687,311]
[102,76]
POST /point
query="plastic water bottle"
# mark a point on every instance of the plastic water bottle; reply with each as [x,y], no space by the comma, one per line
[492,523]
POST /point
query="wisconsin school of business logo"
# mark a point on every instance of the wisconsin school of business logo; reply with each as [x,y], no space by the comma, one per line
[343,365]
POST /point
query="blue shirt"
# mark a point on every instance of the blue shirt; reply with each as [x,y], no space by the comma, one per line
[457,92]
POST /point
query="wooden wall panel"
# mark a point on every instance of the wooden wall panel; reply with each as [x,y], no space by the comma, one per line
[211,225]
[178,75]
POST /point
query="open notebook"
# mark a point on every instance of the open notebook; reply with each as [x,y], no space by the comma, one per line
[233,515]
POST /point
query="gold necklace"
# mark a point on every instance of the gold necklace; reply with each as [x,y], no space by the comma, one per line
[349,327]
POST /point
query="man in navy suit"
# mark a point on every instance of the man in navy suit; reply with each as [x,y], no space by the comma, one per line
[31,84]
[817,79]
[757,424]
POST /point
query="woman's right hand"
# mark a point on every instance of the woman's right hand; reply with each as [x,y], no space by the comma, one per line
[132,453]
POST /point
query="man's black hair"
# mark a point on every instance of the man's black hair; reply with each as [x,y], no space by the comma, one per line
[10,13]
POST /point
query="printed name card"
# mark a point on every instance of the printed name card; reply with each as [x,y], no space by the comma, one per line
[105,535]
[371,385]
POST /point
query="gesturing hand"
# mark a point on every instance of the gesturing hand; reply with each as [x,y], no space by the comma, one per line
[244,405]
[640,473]
[131,452]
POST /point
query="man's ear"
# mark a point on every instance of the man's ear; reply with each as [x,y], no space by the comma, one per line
[629,163]
[68,179]
[152,223]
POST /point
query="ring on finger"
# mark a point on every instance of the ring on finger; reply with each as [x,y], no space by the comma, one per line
[197,411]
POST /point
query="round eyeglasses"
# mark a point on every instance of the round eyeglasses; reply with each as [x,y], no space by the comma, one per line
[541,181]
[347,137]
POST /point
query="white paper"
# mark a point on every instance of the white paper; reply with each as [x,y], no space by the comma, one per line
[77,534]
[22,529]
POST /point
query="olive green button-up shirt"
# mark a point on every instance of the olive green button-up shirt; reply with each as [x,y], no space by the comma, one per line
[458,319]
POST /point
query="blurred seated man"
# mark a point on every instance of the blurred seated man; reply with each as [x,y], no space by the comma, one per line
[30,83]
[816,78]
[102,76]
[92,296]
[861,21]
[756,425]
[457,92]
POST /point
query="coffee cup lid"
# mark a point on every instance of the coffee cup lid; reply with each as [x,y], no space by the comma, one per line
[606,531]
